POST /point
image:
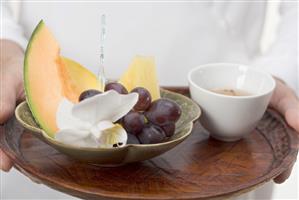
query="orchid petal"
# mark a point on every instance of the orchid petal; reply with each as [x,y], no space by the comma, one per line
[105,125]
[90,122]
[109,106]
[113,137]
[65,119]
[99,127]
[78,138]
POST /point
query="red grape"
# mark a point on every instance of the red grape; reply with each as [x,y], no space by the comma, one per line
[134,122]
[117,87]
[88,93]
[132,139]
[151,134]
[144,99]
[163,111]
[169,129]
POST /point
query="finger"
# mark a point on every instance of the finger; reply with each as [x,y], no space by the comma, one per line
[283,176]
[5,162]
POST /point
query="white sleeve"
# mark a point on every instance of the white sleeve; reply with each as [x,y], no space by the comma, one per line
[10,29]
[281,60]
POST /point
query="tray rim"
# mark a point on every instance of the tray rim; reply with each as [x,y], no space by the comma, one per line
[287,161]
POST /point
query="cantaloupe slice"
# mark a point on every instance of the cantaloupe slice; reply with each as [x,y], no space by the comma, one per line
[48,78]
[142,73]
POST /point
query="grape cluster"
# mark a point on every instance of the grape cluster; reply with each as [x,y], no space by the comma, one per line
[149,122]
[160,117]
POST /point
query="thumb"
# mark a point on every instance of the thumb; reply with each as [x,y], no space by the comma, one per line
[289,107]
[292,115]
[7,106]
[286,102]
[7,102]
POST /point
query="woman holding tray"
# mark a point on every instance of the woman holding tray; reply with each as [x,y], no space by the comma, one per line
[180,35]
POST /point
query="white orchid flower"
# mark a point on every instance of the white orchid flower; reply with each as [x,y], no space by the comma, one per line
[90,123]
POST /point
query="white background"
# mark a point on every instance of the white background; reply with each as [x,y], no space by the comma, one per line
[15,185]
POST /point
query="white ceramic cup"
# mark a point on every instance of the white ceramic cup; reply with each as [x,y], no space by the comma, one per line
[229,118]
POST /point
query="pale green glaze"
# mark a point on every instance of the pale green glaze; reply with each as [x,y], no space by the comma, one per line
[127,154]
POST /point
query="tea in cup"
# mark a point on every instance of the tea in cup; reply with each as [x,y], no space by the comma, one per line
[233,98]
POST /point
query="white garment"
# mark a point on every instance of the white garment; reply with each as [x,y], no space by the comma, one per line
[180,35]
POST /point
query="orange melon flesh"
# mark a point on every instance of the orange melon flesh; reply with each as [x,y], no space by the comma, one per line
[48,78]
[142,73]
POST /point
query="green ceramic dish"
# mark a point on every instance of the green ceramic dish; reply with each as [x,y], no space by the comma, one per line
[127,154]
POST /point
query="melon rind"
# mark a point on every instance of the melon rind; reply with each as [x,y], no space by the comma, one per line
[33,109]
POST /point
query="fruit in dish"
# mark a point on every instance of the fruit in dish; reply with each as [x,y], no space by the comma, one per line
[67,102]
[48,78]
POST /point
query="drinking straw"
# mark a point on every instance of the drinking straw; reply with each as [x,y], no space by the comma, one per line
[101,73]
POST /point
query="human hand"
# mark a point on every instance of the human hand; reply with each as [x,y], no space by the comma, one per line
[11,87]
[285,101]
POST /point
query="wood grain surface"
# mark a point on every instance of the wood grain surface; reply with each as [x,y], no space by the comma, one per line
[199,168]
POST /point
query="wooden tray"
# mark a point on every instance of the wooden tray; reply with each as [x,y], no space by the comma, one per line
[199,168]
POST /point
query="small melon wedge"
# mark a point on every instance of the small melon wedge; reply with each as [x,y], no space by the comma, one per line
[142,73]
[76,79]
[48,78]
